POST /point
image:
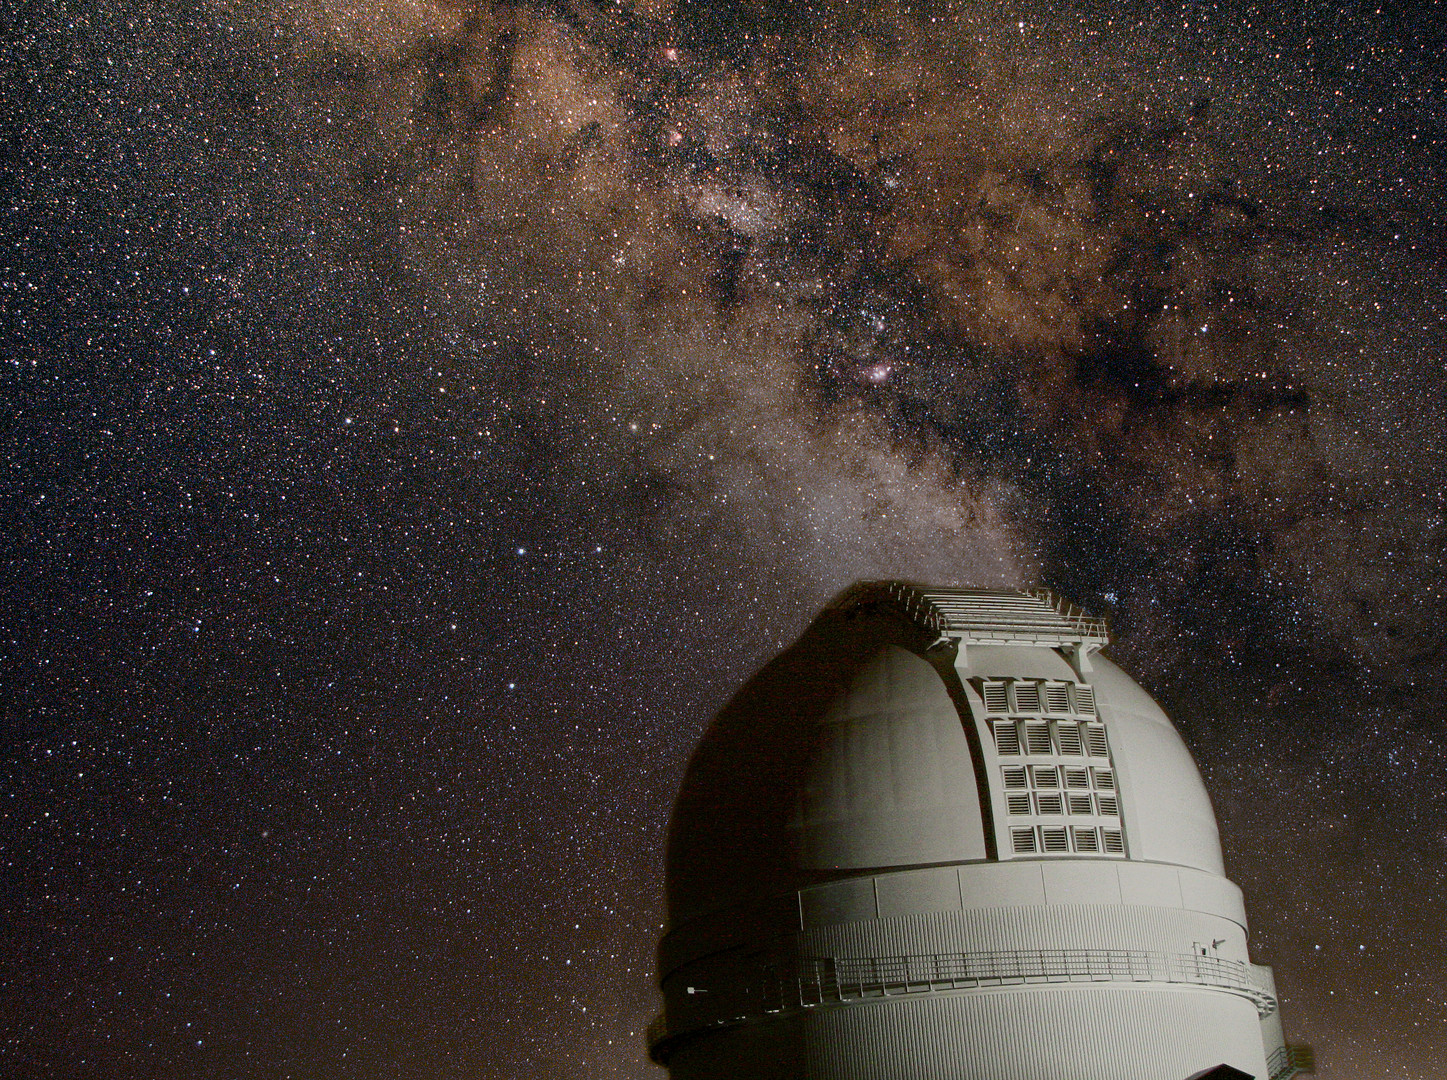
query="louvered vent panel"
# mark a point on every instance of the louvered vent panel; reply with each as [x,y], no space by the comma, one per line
[1077,778]
[1007,737]
[1086,840]
[995,698]
[1114,842]
[1054,839]
[1057,698]
[1023,840]
[1069,735]
[1045,776]
[1081,804]
[1085,700]
[1037,738]
[1104,779]
[1095,741]
[1015,776]
[1109,807]
[1027,696]
[1049,803]
[1018,804]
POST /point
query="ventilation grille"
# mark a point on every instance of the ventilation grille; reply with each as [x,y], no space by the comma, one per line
[1045,776]
[1024,716]
[1032,696]
[995,697]
[1069,736]
[1063,840]
[1007,737]
[1049,804]
[1037,738]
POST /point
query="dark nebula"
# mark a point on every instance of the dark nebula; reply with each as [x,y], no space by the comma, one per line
[417,418]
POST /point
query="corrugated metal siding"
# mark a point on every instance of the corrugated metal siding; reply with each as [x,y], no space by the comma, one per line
[1054,1034]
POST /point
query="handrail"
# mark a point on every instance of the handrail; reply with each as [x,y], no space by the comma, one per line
[1087,625]
[982,615]
[1280,1066]
[1288,1061]
[1029,964]
[808,982]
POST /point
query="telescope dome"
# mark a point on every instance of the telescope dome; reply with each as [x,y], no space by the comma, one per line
[847,751]
[947,802]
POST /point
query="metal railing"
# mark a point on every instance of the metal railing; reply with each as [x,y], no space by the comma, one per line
[983,615]
[850,978]
[1090,627]
[902,974]
[792,985]
[1288,1061]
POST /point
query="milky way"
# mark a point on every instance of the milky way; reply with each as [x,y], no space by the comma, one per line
[419,418]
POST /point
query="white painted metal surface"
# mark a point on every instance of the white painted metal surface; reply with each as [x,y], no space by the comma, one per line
[941,837]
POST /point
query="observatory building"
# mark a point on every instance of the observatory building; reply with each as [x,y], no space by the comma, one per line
[942,838]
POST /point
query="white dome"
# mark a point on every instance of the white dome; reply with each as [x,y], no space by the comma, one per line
[954,787]
[848,752]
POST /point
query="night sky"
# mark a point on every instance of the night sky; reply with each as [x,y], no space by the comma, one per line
[417,418]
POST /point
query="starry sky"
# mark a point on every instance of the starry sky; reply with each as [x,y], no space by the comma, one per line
[418,416]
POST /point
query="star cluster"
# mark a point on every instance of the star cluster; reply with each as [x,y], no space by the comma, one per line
[419,416]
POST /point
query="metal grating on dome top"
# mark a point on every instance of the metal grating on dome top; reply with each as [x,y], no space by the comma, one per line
[985,616]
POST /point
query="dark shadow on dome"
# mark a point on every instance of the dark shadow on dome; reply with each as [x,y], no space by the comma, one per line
[729,840]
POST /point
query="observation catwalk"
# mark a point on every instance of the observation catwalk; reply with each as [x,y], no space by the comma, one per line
[941,837]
